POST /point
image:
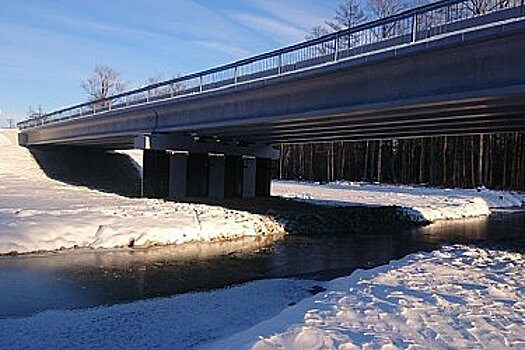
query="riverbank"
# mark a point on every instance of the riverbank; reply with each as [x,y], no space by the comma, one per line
[41,214]
[419,203]
[457,297]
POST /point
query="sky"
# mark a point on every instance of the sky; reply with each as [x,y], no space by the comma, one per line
[47,48]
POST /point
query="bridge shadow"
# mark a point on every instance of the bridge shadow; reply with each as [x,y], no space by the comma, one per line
[96,169]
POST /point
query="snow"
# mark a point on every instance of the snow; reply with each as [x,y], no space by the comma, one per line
[456,297]
[179,322]
[421,203]
[37,213]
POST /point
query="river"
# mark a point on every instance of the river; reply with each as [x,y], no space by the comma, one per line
[88,278]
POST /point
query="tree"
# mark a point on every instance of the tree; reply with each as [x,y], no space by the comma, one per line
[383,9]
[386,8]
[347,15]
[165,90]
[104,83]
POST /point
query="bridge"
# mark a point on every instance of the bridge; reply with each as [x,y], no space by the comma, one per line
[447,68]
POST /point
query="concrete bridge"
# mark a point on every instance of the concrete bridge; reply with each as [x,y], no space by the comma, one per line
[441,69]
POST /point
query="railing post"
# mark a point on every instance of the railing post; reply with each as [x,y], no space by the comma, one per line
[414,27]
[522,11]
[336,48]
[280,63]
[235,75]
[200,84]
[148,96]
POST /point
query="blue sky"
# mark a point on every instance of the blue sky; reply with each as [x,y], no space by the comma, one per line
[48,47]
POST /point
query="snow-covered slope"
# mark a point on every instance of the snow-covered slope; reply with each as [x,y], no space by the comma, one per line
[421,203]
[37,213]
[456,298]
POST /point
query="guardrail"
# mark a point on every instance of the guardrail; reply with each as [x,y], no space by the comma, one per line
[404,28]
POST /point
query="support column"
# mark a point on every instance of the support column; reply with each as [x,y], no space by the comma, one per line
[263,178]
[178,175]
[216,176]
[155,174]
[197,176]
[233,177]
[248,178]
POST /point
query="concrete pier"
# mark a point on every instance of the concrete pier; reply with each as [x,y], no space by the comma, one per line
[216,176]
[178,174]
[156,174]
[180,167]
[248,177]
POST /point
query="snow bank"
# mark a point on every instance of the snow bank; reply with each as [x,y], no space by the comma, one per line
[179,322]
[419,202]
[37,213]
[458,297]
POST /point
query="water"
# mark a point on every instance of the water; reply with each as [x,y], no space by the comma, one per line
[66,280]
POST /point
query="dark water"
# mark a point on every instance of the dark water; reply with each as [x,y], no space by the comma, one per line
[29,284]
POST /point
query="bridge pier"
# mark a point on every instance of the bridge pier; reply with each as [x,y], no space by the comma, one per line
[248,177]
[216,175]
[155,174]
[263,178]
[177,168]
[178,174]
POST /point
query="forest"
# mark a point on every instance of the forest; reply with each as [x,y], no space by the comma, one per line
[495,161]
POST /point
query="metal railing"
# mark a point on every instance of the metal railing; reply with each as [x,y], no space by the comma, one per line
[407,27]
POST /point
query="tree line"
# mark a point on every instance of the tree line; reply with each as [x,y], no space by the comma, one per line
[495,161]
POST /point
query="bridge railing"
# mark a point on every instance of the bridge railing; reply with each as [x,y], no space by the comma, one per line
[405,28]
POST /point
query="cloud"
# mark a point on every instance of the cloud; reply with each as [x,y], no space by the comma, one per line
[229,50]
[301,14]
[279,31]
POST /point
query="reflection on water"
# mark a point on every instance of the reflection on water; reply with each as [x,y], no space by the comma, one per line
[29,284]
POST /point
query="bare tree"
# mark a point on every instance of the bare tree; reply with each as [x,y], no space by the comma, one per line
[383,9]
[317,32]
[164,90]
[386,8]
[104,83]
[348,15]
[481,7]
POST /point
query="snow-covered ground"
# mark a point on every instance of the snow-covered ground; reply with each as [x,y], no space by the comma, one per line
[179,322]
[419,202]
[37,213]
[457,298]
